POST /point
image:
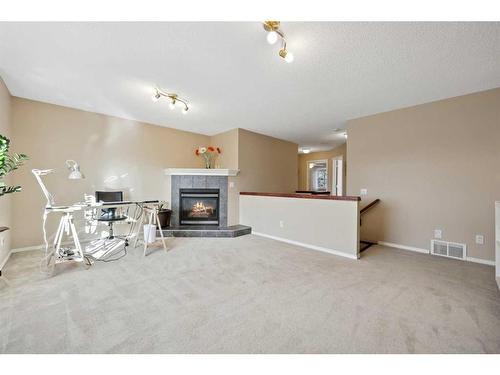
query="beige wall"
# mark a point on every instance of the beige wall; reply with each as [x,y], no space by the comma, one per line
[130,156]
[5,201]
[228,143]
[113,154]
[303,159]
[327,225]
[267,164]
[434,166]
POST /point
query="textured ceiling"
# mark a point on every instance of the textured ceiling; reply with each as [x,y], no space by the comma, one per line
[233,78]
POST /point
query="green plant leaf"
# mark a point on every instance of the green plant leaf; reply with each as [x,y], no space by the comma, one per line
[9,163]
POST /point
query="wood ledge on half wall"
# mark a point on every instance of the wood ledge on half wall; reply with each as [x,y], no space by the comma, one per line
[303,196]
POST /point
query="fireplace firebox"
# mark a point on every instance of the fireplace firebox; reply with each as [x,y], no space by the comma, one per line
[199,206]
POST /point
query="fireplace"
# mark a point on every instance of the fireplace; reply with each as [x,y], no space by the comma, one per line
[199,206]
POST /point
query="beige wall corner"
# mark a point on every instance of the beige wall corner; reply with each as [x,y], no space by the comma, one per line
[434,166]
[228,143]
[6,200]
[267,164]
[303,159]
[113,154]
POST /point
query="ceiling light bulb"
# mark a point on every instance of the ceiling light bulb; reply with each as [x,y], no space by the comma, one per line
[185,110]
[172,104]
[306,150]
[272,37]
[155,97]
[289,57]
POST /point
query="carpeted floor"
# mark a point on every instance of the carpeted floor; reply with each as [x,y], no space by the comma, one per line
[251,295]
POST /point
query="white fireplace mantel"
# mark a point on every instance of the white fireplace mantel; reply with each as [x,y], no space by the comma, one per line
[200,172]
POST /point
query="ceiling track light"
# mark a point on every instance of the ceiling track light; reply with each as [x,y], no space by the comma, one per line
[273,34]
[173,98]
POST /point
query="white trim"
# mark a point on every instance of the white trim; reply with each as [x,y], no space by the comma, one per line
[333,179]
[425,251]
[2,265]
[313,247]
[200,172]
[480,261]
[42,247]
[404,247]
[28,248]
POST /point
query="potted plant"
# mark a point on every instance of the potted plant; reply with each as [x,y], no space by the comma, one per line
[164,215]
[8,163]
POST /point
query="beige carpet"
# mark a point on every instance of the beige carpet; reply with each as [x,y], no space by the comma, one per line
[251,295]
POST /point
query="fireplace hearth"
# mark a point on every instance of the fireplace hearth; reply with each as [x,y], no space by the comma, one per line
[199,206]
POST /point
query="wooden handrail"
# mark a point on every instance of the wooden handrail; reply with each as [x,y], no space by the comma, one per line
[367,207]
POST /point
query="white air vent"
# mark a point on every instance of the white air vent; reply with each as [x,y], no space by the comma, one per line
[448,249]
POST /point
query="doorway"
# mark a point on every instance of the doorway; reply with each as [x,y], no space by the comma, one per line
[317,175]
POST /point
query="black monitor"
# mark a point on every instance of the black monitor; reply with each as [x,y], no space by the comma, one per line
[109,196]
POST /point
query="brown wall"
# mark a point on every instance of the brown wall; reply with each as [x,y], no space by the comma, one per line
[303,160]
[113,153]
[434,166]
[5,201]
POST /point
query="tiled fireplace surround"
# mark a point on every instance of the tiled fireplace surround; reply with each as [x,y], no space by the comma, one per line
[199,182]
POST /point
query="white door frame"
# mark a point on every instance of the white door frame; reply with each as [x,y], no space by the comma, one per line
[307,171]
[335,183]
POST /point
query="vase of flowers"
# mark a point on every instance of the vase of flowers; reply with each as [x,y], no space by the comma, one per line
[209,154]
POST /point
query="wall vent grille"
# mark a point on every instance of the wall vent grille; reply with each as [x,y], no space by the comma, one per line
[449,249]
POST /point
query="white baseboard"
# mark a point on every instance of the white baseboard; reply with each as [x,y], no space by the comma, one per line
[404,247]
[4,262]
[42,247]
[481,261]
[28,248]
[313,247]
[425,251]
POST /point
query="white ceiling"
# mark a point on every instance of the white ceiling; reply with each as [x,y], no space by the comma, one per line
[233,78]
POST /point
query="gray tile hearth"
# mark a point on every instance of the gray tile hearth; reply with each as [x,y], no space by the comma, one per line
[207,231]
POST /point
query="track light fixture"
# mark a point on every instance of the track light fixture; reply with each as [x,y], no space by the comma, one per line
[273,34]
[173,98]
